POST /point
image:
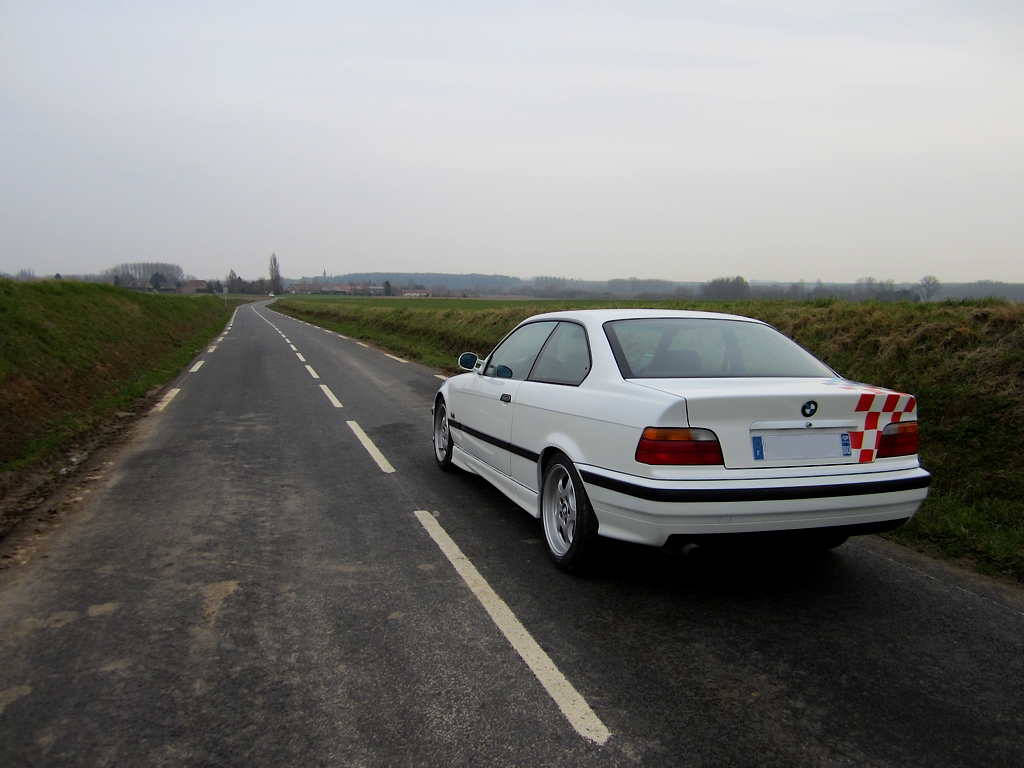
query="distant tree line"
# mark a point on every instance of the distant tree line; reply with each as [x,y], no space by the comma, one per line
[237,284]
[866,288]
[169,277]
[164,276]
[719,289]
[737,288]
[272,284]
[157,274]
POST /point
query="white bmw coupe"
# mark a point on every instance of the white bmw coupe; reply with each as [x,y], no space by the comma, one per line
[642,425]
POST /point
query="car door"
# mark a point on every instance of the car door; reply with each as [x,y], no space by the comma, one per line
[487,401]
[545,401]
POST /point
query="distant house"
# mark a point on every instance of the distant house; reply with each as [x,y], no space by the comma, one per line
[192,286]
[415,294]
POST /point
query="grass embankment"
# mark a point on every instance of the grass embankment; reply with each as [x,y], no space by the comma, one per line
[963,360]
[73,355]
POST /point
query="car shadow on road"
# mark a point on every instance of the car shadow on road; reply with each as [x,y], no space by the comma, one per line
[743,569]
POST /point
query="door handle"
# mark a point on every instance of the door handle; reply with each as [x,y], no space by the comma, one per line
[506,398]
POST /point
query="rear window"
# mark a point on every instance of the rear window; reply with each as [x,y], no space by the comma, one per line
[698,348]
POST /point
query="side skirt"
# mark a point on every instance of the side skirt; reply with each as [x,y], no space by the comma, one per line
[520,494]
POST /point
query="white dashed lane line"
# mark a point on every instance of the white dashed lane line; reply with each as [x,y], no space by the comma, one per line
[573,705]
[211,349]
[330,396]
[439,376]
[165,400]
[569,701]
[197,366]
[371,449]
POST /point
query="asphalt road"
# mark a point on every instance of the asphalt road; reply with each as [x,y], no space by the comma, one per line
[245,585]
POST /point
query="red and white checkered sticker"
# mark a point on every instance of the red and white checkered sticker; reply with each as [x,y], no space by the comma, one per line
[880,408]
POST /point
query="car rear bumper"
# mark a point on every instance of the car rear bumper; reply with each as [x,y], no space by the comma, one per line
[649,511]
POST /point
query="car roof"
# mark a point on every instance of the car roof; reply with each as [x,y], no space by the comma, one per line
[594,317]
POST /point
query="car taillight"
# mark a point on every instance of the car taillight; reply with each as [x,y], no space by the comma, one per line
[898,439]
[659,445]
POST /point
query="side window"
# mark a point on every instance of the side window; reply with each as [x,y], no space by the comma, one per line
[514,357]
[566,357]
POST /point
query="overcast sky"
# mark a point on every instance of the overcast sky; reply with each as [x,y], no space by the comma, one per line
[799,139]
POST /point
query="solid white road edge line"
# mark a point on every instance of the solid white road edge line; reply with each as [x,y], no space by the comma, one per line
[165,400]
[395,358]
[197,366]
[311,371]
[330,396]
[299,355]
[573,705]
[371,449]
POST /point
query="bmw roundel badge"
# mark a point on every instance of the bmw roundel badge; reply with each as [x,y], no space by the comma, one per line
[809,408]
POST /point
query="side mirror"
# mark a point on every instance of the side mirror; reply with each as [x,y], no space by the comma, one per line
[467,361]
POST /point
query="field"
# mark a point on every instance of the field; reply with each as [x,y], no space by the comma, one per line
[75,356]
[963,360]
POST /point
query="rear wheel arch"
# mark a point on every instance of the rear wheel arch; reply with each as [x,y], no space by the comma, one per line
[558,444]
[546,456]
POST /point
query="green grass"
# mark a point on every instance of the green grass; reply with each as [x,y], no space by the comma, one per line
[73,354]
[964,361]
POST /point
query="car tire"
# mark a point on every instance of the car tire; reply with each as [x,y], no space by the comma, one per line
[442,437]
[570,526]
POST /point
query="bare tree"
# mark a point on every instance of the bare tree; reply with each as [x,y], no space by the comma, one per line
[143,271]
[234,282]
[930,286]
[275,275]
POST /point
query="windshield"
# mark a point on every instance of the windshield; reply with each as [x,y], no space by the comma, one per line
[673,348]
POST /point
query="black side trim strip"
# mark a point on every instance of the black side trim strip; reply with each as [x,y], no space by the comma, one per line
[511,448]
[703,495]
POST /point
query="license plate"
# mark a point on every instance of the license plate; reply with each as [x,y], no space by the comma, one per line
[801,447]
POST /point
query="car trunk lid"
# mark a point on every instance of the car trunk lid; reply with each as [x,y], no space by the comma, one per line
[790,422]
